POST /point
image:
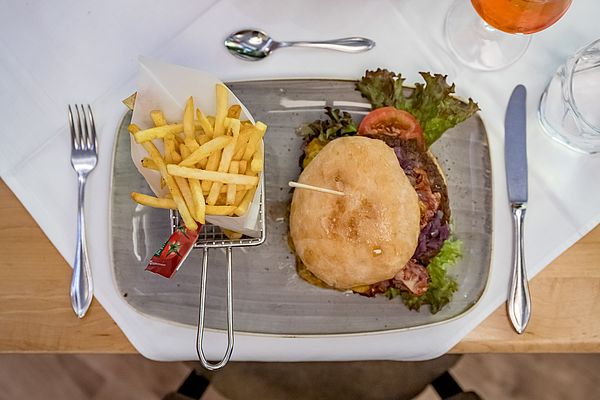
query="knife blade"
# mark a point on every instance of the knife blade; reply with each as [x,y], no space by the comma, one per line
[515,146]
[515,155]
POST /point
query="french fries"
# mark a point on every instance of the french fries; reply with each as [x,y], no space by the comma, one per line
[186,192]
[242,142]
[224,189]
[222,97]
[158,118]
[189,130]
[246,200]
[231,189]
[204,123]
[152,201]
[234,111]
[210,164]
[232,234]
[243,166]
[149,163]
[169,180]
[258,160]
[220,210]
[159,132]
[256,135]
[234,127]
[171,153]
[202,139]
[206,150]
[196,189]
[222,94]
[169,204]
[212,176]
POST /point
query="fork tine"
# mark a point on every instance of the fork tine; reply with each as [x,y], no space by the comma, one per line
[79,131]
[72,129]
[86,132]
[93,140]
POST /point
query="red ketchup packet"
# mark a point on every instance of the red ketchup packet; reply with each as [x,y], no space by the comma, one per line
[167,260]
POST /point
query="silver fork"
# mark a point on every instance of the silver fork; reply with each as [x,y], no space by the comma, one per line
[83,160]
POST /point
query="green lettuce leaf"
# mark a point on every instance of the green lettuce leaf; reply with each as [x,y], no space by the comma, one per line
[431,103]
[441,285]
[381,87]
[337,125]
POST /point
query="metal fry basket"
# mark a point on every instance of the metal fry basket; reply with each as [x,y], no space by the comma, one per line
[211,237]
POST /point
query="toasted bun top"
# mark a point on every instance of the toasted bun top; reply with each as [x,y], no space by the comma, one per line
[369,234]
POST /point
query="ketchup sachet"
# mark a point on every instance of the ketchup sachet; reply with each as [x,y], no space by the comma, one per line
[167,260]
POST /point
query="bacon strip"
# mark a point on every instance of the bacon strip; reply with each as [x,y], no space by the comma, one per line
[414,277]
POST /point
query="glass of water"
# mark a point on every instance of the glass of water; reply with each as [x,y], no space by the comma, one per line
[570,106]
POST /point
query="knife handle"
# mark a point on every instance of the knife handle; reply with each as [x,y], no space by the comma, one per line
[519,302]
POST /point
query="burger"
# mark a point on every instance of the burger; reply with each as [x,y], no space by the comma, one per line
[390,232]
[368,234]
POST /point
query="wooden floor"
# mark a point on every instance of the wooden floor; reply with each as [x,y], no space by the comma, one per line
[115,377]
[96,377]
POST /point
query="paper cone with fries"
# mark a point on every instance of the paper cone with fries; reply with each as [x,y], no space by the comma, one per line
[198,148]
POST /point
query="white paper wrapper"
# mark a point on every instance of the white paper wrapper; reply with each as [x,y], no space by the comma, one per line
[166,87]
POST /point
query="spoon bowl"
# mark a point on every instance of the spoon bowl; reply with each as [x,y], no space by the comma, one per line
[248,44]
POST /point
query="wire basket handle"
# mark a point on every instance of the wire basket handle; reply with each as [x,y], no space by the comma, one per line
[200,332]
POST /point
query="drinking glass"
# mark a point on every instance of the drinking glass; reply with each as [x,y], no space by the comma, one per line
[569,108]
[492,34]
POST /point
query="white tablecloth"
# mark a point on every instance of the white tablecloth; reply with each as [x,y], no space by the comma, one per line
[52,54]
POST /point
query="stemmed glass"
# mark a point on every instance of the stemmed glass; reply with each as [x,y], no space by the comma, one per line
[492,34]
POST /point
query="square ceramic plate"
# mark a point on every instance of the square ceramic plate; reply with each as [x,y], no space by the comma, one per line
[269,297]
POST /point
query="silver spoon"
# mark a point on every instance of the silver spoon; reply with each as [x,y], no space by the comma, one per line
[253,45]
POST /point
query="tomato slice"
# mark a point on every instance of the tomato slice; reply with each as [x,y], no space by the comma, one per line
[391,122]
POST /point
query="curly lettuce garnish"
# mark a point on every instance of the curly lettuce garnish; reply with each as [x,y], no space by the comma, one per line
[320,132]
[431,103]
[382,88]
[338,124]
[441,285]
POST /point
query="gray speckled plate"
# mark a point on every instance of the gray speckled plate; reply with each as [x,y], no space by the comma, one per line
[269,297]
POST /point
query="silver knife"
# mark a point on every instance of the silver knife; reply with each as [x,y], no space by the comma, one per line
[515,156]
